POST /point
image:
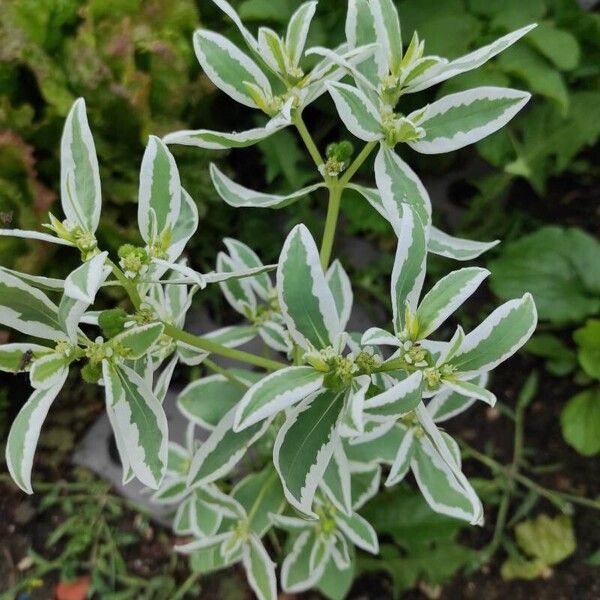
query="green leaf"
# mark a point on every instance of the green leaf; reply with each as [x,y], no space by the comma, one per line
[560,360]
[81,197]
[159,198]
[306,302]
[304,446]
[523,569]
[28,310]
[25,432]
[140,420]
[550,539]
[588,340]
[276,392]
[223,449]
[580,422]
[409,266]
[557,45]
[466,117]
[558,266]
[137,341]
[229,68]
[357,112]
[446,296]
[502,333]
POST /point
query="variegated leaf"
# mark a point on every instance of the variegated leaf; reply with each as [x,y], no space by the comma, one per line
[159,198]
[341,289]
[459,249]
[398,400]
[276,392]
[404,454]
[387,25]
[260,569]
[471,390]
[239,196]
[464,118]
[306,302]
[238,292]
[297,31]
[48,370]
[359,531]
[336,480]
[358,113]
[25,432]
[304,446]
[498,337]
[296,574]
[246,258]
[448,403]
[16,358]
[135,342]
[80,193]
[185,226]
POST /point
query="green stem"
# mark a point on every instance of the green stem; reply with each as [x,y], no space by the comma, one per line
[358,161]
[127,284]
[333,211]
[214,348]
[225,372]
[186,586]
[307,139]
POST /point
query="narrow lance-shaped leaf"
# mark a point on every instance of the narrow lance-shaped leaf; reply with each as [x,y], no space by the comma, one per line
[185,226]
[359,531]
[341,289]
[360,31]
[141,422]
[498,337]
[15,358]
[232,14]
[357,112]
[260,569]
[447,403]
[25,432]
[247,259]
[239,196]
[306,302]
[83,283]
[448,294]
[159,199]
[276,392]
[398,184]
[222,450]
[387,25]
[408,272]
[468,62]
[399,400]
[464,118]
[297,31]
[238,292]
[304,446]
[228,67]
[80,193]
[28,310]
[296,574]
[456,248]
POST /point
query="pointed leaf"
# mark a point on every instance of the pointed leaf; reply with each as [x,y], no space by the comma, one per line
[260,569]
[357,112]
[459,249]
[137,341]
[387,24]
[16,358]
[297,31]
[447,403]
[399,400]
[358,531]
[464,118]
[341,289]
[246,258]
[305,299]
[470,390]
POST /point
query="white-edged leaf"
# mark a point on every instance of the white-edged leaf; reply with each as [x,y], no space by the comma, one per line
[232,14]
[48,370]
[248,259]
[408,272]
[259,568]
[25,432]
[210,541]
[447,403]
[205,518]
[185,226]
[501,334]
[464,118]
[471,390]
[459,249]
[336,480]
[34,235]
[80,194]
[341,289]
[239,196]
[222,450]
[275,392]
[359,531]
[375,336]
[468,62]
[446,296]
[306,302]
[366,480]
[27,309]
[398,184]
[17,358]
[220,140]
[159,197]
[238,292]
[163,381]
[275,336]
[403,457]
[396,401]
[358,113]
[172,491]
[135,342]
[140,420]
[296,574]
[387,25]
[352,418]
[297,31]
[304,446]
[228,67]
[84,282]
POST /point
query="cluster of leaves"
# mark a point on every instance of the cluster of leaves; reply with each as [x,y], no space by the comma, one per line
[559,267]
[340,409]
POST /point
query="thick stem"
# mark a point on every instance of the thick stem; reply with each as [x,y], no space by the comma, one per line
[214,348]
[333,211]
[225,372]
